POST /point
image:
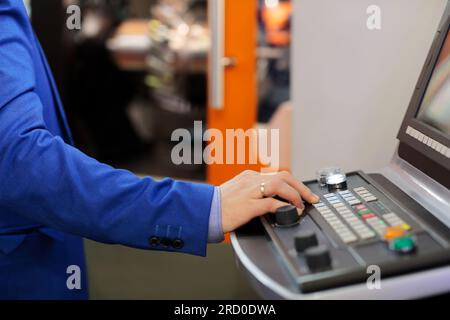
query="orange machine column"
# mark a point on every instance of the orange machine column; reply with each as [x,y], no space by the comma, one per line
[239,85]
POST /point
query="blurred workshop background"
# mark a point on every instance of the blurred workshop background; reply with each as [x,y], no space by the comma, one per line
[136,71]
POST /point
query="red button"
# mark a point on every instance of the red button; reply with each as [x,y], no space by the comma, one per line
[360,207]
[368,216]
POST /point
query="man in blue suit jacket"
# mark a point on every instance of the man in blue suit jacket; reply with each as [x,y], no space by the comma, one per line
[52,195]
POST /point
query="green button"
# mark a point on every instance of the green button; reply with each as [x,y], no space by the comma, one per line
[403,244]
[364,212]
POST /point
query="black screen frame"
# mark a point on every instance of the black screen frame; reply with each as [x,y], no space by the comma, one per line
[411,150]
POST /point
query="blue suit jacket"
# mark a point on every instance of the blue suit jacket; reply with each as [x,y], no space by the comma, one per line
[51,194]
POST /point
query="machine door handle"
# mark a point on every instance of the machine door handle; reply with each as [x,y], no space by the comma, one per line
[217,60]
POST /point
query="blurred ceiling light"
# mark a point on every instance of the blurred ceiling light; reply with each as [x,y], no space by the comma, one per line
[272,3]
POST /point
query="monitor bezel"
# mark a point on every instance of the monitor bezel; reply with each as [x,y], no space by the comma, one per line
[410,121]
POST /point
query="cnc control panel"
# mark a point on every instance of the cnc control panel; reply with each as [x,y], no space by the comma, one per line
[357,224]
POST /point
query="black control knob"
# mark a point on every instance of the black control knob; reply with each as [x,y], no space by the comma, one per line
[318,258]
[305,239]
[287,216]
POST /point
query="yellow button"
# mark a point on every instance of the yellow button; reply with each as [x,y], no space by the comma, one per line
[406,227]
[393,233]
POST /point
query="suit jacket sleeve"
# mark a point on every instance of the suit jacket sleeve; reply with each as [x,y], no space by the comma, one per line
[50,182]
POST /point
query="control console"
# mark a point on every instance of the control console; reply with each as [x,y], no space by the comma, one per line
[357,223]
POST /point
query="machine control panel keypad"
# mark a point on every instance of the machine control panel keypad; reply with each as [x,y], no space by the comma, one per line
[351,217]
[350,229]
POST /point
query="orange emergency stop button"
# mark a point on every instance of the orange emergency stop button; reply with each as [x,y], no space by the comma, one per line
[393,233]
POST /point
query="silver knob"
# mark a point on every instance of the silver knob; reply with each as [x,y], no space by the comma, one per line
[333,178]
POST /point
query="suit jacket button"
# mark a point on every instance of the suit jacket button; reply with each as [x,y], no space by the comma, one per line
[177,243]
[154,241]
[165,242]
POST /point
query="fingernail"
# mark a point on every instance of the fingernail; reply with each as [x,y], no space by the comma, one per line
[316,197]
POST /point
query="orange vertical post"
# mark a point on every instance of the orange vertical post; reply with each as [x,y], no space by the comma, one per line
[240,82]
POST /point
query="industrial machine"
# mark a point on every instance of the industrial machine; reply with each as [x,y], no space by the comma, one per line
[396,222]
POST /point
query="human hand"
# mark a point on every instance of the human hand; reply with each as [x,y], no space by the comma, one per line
[250,195]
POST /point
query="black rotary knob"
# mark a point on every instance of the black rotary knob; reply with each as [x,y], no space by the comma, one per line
[305,239]
[318,258]
[287,216]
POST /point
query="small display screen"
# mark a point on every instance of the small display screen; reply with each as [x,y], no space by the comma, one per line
[435,108]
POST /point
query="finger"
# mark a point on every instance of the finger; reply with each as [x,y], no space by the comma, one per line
[278,187]
[303,190]
[272,205]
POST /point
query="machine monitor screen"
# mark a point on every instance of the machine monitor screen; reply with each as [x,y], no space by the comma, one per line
[425,133]
[435,107]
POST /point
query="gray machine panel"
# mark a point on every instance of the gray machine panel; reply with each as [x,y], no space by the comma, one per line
[350,260]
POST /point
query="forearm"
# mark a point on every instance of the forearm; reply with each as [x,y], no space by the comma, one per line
[53,183]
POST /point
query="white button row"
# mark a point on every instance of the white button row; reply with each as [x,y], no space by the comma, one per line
[349,197]
[339,205]
[339,227]
[361,229]
[366,195]
[393,220]
[433,144]
[378,225]
[323,209]
[364,232]
[319,205]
